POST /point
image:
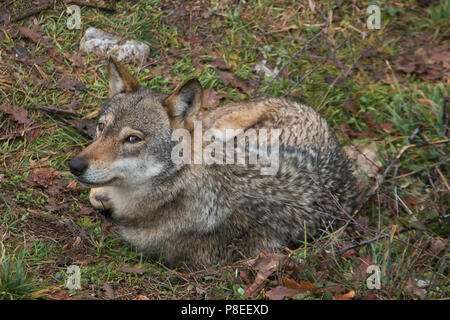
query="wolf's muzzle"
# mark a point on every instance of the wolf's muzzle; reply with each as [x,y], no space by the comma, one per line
[78,166]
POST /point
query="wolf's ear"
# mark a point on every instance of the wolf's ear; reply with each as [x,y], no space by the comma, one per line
[184,104]
[119,79]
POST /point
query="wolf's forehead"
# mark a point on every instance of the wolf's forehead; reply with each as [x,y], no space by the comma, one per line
[130,102]
[119,103]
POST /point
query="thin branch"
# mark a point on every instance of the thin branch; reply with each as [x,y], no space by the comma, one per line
[34,12]
[89,5]
[290,60]
[394,161]
[57,110]
[385,235]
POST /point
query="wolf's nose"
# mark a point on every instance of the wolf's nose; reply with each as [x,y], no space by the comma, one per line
[78,166]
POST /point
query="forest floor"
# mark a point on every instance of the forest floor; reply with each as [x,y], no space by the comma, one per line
[384,92]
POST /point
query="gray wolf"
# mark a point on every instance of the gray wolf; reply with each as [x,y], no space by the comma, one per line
[205,214]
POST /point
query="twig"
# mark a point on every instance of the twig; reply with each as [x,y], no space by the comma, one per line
[290,60]
[56,110]
[446,118]
[33,12]
[442,152]
[385,235]
[439,270]
[443,178]
[89,5]
[362,54]
[313,69]
[380,180]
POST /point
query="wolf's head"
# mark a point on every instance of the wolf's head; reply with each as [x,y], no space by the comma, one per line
[133,140]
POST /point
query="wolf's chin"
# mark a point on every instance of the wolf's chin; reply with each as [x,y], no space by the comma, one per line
[95,184]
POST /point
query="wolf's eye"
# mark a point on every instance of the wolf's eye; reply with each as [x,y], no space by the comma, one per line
[132,139]
[100,127]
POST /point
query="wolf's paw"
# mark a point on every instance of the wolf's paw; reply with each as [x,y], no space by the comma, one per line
[100,199]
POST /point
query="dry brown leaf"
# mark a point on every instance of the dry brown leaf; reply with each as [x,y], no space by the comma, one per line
[290,284]
[302,286]
[387,126]
[70,84]
[211,99]
[242,273]
[132,270]
[412,289]
[266,264]
[33,134]
[109,291]
[58,186]
[307,285]
[28,33]
[219,63]
[84,126]
[230,78]
[75,58]
[349,295]
[19,115]
[280,292]
[371,296]
[42,177]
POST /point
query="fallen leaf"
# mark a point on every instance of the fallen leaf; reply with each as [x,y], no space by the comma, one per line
[219,63]
[280,292]
[428,64]
[61,295]
[54,207]
[42,291]
[32,135]
[211,99]
[307,285]
[302,286]
[86,211]
[345,128]
[350,105]
[75,58]
[371,296]
[58,186]
[19,115]
[242,273]
[346,296]
[290,284]
[436,245]
[265,264]
[141,297]
[109,291]
[411,201]
[412,289]
[42,177]
[348,253]
[70,84]
[28,33]
[84,126]
[387,126]
[230,78]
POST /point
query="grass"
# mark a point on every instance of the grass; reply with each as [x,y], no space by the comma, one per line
[42,231]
